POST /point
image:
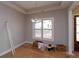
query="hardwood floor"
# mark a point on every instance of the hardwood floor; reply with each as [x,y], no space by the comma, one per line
[28,51]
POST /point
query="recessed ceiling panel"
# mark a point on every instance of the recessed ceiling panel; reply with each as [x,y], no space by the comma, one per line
[35,4]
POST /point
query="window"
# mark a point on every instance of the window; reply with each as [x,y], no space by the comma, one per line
[47,29]
[42,28]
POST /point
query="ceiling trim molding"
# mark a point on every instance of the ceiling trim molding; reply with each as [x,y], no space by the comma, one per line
[36,10]
[74,4]
[45,10]
[14,6]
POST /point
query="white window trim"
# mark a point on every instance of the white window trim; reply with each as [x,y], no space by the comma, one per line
[45,29]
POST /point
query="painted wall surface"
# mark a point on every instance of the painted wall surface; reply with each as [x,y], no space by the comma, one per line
[16,23]
[60,24]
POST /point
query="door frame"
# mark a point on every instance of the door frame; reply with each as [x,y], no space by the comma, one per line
[71,28]
[75,42]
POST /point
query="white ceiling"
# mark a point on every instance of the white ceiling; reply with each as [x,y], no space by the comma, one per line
[35,4]
[29,7]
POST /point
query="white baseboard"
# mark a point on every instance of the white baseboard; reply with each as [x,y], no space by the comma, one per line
[29,42]
[9,50]
[19,45]
[5,52]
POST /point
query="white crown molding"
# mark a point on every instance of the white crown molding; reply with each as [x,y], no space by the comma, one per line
[14,6]
[36,10]
[74,4]
[45,9]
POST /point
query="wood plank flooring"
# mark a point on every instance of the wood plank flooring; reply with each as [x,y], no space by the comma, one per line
[28,51]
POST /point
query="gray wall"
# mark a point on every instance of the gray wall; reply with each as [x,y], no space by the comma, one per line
[16,23]
[61,25]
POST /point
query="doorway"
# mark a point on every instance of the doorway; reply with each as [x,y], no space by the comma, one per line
[76,33]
